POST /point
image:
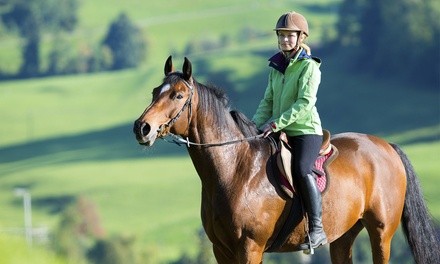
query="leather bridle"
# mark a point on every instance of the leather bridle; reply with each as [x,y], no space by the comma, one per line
[188,103]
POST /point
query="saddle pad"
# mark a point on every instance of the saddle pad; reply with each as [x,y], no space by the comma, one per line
[321,178]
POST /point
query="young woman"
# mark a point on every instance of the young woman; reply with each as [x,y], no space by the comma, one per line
[289,105]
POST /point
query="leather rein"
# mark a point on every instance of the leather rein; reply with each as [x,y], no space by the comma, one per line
[181,141]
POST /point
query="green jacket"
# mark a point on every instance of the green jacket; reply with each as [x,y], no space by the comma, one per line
[290,96]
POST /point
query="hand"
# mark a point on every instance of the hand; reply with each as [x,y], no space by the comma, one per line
[267,129]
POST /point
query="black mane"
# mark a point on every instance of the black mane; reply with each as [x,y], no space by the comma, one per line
[247,127]
[214,99]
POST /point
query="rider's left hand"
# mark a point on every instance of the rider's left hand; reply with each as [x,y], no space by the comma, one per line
[267,129]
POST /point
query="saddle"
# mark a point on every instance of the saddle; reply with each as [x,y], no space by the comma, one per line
[327,154]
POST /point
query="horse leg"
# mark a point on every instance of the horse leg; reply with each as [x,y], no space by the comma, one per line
[221,257]
[251,254]
[380,247]
[381,233]
[341,249]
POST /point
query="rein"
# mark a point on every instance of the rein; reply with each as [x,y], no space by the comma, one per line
[181,141]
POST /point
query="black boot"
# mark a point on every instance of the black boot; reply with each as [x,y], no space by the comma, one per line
[313,206]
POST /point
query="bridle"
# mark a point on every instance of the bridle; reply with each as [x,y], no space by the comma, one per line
[181,141]
[188,103]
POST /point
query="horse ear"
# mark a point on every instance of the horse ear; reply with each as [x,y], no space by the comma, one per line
[187,69]
[168,66]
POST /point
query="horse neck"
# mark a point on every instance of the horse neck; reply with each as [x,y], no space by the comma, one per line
[211,121]
[215,164]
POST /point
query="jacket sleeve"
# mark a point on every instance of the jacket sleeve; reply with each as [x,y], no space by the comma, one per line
[308,84]
[264,110]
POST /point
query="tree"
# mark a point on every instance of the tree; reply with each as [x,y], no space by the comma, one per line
[348,25]
[79,228]
[396,37]
[30,18]
[125,42]
[117,250]
[411,36]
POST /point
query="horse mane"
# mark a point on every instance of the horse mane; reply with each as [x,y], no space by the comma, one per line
[214,99]
[246,126]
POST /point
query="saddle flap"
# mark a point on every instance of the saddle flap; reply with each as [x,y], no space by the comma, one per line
[284,157]
[325,146]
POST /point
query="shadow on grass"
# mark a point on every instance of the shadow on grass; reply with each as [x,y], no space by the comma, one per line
[347,102]
[53,204]
[115,143]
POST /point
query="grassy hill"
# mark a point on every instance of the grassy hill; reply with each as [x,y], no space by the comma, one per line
[67,136]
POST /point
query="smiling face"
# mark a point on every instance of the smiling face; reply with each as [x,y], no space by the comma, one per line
[287,39]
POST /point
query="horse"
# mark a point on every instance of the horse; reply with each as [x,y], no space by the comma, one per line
[373,184]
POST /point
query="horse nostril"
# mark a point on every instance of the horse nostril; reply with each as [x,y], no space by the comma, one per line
[145,129]
[140,128]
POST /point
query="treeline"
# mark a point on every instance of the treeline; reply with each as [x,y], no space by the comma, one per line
[391,38]
[122,47]
[385,38]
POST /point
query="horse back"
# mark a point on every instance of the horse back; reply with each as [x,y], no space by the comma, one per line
[367,159]
[367,152]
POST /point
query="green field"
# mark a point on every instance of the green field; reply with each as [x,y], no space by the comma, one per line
[68,136]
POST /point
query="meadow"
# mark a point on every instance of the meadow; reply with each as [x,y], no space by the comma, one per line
[71,135]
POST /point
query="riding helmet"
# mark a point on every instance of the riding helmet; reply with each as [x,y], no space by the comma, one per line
[292,21]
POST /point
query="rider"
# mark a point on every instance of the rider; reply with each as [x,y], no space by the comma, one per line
[288,105]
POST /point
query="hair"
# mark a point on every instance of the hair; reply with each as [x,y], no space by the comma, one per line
[306,48]
[214,99]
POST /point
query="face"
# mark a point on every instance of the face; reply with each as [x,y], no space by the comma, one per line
[287,39]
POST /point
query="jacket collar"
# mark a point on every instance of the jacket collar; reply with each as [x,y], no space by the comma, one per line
[280,63]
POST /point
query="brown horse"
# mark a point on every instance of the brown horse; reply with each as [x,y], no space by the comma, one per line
[373,184]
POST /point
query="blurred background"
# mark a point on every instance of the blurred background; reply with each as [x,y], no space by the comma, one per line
[75,187]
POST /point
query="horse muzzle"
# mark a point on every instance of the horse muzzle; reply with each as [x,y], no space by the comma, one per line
[144,133]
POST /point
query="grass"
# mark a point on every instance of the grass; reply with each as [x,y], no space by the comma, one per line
[67,105]
[425,158]
[71,135]
[138,192]
[14,250]
[73,148]
[147,198]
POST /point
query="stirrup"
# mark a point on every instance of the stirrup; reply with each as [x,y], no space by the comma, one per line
[311,250]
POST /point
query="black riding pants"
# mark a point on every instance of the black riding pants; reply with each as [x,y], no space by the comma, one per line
[305,150]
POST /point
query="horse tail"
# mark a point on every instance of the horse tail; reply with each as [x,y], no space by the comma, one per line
[417,223]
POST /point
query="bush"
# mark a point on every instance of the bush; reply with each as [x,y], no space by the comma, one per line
[125,41]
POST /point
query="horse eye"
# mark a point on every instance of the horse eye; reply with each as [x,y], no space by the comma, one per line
[179,96]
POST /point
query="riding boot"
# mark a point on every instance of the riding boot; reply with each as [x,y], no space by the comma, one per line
[313,206]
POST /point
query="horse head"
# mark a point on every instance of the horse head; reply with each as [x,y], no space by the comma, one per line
[171,107]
